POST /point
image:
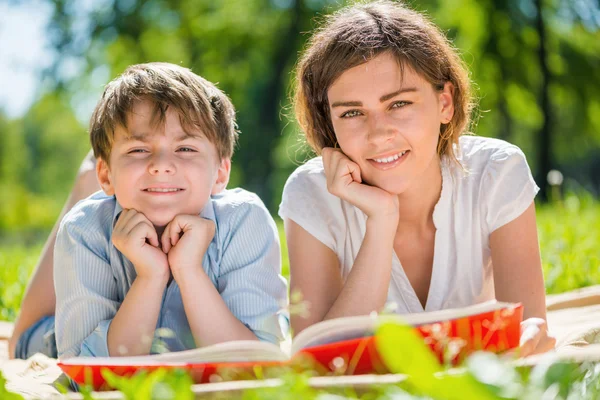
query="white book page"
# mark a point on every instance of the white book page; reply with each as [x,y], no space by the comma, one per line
[346,328]
[236,351]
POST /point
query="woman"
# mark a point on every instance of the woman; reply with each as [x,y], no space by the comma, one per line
[401,207]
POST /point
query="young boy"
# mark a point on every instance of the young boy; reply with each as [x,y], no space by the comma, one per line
[165,245]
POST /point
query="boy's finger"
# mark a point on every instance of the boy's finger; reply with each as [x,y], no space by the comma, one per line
[134,219]
[140,233]
[151,234]
[176,230]
[122,219]
[164,239]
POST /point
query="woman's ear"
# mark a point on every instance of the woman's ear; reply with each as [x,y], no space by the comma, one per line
[446,101]
[104,177]
[222,176]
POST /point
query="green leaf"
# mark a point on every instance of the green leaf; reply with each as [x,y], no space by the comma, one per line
[403,351]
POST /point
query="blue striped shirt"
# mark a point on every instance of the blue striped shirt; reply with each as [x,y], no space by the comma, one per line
[92,277]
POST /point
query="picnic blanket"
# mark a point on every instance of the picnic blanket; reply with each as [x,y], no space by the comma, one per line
[573,317]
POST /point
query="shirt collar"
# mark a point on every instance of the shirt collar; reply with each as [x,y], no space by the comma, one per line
[207,212]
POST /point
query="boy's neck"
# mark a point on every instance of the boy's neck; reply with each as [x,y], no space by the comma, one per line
[417,203]
[159,231]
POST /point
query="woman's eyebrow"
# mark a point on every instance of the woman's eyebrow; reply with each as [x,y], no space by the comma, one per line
[388,96]
[383,98]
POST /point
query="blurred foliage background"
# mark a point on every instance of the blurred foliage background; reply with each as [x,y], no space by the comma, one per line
[536,64]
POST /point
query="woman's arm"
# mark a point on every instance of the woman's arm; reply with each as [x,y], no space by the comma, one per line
[314,267]
[518,277]
[315,273]
[39,299]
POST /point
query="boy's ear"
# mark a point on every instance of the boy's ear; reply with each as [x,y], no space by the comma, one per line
[446,97]
[104,178]
[222,176]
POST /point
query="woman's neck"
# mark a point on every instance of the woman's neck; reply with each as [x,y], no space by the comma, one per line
[416,204]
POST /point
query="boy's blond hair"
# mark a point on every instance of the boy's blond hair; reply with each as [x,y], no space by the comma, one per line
[200,104]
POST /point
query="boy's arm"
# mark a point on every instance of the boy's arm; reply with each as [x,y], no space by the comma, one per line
[88,302]
[86,291]
[250,292]
[209,318]
[186,240]
[250,280]
[132,329]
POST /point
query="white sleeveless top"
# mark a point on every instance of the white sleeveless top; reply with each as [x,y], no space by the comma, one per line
[496,189]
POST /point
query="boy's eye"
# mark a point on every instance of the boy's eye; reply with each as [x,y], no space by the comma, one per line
[186,149]
[400,104]
[350,114]
[136,151]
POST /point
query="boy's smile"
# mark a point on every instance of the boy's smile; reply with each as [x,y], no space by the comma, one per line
[163,190]
[159,169]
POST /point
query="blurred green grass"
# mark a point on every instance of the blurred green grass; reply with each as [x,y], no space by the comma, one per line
[569,233]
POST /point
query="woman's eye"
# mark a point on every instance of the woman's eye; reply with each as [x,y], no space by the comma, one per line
[350,114]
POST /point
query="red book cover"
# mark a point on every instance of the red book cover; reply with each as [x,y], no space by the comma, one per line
[341,346]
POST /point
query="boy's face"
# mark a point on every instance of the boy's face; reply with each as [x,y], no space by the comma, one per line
[160,170]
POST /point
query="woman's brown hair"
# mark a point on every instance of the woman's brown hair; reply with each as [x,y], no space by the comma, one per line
[360,32]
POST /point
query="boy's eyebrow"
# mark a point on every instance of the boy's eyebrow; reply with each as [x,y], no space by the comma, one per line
[383,98]
[140,137]
[186,135]
[137,137]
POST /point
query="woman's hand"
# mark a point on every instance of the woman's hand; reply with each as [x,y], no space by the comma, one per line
[535,338]
[344,181]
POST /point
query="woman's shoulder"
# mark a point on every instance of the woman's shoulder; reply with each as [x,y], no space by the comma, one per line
[308,180]
[307,201]
[498,176]
[477,154]
[308,183]
[312,170]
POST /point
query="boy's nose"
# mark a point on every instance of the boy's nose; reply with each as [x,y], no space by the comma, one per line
[160,165]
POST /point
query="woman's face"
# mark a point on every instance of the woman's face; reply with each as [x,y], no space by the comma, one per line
[388,122]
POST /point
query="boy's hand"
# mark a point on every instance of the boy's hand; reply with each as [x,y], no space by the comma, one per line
[344,181]
[135,237]
[185,240]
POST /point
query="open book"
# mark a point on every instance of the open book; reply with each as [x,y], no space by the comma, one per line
[343,343]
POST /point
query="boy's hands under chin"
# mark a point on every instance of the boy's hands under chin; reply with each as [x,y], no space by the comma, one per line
[135,237]
[185,241]
[344,180]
